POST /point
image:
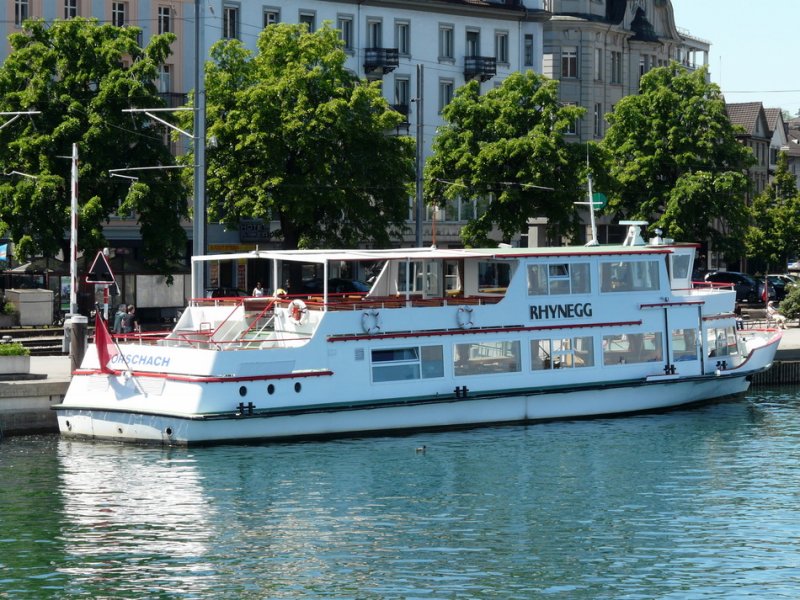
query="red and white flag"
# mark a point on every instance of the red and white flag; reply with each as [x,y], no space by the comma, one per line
[106,348]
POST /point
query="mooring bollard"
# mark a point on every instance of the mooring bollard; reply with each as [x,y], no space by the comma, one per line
[77,342]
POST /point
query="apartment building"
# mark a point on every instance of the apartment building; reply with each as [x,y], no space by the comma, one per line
[599,50]
[454,41]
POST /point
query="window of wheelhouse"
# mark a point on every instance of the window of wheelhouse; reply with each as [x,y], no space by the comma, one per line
[721,341]
[559,278]
[493,277]
[629,276]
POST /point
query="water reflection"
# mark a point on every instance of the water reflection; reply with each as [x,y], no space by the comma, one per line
[699,503]
[132,514]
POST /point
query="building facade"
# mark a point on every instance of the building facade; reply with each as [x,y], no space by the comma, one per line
[599,50]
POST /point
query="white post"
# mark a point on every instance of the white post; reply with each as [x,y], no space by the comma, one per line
[73,237]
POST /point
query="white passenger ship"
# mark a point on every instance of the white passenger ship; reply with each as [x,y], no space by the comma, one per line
[444,338]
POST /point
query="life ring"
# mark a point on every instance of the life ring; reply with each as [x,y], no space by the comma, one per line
[371,321]
[297,311]
[464,317]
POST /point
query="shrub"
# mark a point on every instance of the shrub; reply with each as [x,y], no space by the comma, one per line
[9,308]
[13,349]
[790,306]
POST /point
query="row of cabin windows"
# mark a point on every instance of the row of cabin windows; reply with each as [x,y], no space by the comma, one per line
[575,278]
[546,353]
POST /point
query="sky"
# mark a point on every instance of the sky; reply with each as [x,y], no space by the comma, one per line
[752,57]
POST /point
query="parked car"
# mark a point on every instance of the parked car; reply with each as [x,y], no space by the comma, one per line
[748,289]
[782,284]
[225,292]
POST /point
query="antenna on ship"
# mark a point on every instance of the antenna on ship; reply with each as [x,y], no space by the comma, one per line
[591,203]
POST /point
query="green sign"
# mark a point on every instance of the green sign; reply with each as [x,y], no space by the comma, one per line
[599,200]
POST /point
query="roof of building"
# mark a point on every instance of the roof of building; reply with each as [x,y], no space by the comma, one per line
[745,114]
[774,118]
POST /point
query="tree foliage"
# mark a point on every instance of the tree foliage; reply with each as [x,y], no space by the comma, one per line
[298,139]
[72,72]
[774,233]
[675,160]
[507,145]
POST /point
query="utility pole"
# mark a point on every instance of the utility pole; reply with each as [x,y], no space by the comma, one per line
[420,151]
[199,220]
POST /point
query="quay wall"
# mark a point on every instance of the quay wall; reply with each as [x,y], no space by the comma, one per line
[25,406]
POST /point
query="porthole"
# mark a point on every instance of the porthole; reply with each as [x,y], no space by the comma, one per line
[270,389]
[119,430]
[69,425]
[168,431]
[243,390]
[297,387]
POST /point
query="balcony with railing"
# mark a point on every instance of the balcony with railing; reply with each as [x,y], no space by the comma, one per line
[481,68]
[379,61]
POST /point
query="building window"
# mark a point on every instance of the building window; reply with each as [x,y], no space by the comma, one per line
[402,37]
[473,47]
[569,62]
[598,64]
[21,11]
[528,51]
[164,19]
[119,14]
[598,120]
[446,42]
[501,47]
[572,128]
[374,33]
[230,22]
[402,91]
[310,19]
[70,9]
[344,23]
[271,16]
[446,87]
[165,79]
[616,67]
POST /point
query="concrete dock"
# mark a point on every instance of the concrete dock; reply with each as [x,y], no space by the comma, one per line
[25,403]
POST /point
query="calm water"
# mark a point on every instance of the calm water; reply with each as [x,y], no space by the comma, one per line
[702,503]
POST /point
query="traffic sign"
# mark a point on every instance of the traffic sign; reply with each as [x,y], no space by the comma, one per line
[599,200]
[100,271]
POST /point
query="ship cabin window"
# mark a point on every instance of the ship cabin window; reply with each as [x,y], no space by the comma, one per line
[632,348]
[721,341]
[480,358]
[400,364]
[563,353]
[418,277]
[684,344]
[629,276]
[561,278]
[493,277]
[680,266]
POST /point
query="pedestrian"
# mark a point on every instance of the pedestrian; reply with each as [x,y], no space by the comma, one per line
[129,323]
[258,291]
[121,312]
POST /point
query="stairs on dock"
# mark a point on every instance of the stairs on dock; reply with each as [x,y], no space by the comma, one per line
[41,341]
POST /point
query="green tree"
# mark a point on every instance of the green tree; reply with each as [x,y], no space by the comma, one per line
[73,73]
[298,139]
[774,233]
[507,146]
[675,160]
